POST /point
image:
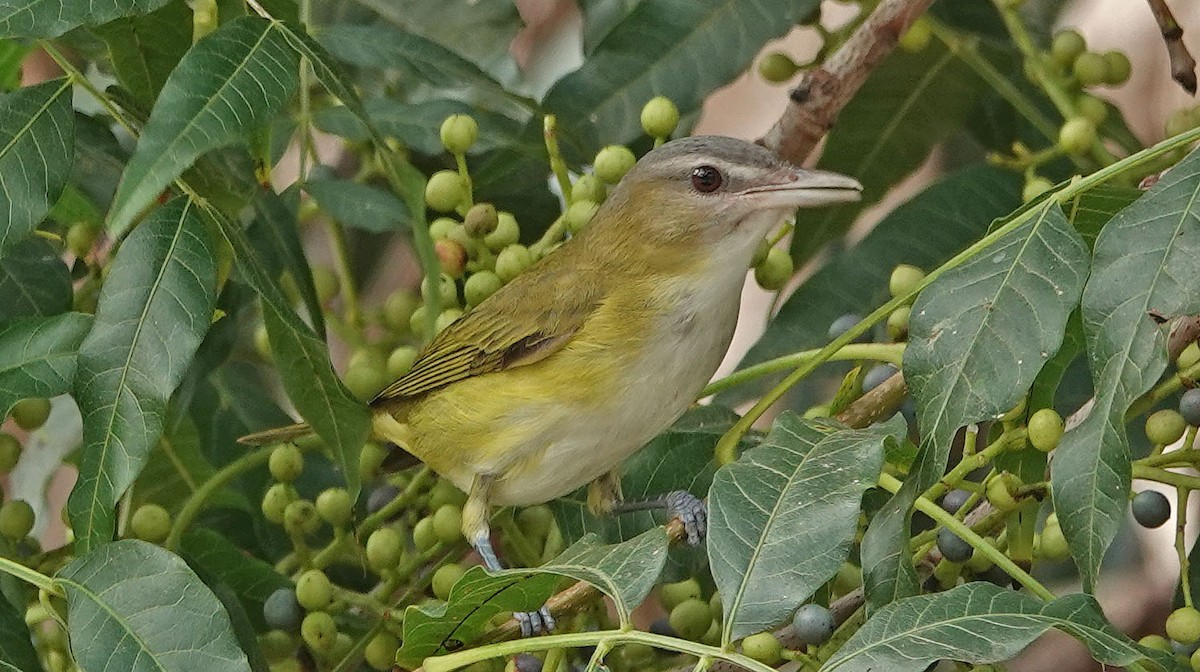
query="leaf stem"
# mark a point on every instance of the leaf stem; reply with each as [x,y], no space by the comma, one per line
[341,265]
[1181,507]
[892,353]
[30,576]
[1163,476]
[557,164]
[1162,391]
[193,505]
[972,462]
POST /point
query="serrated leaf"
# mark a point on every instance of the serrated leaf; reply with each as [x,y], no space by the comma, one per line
[782,519]
[33,281]
[36,147]
[275,235]
[979,623]
[1146,260]
[154,309]
[134,607]
[227,85]
[303,363]
[978,337]
[681,49]
[251,579]
[145,49]
[357,205]
[16,647]
[925,231]
[474,600]
[911,102]
[51,18]
[37,356]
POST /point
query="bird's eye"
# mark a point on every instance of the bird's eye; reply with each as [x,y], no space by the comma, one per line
[706,179]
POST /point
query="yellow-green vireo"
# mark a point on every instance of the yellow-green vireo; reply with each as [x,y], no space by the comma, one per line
[558,377]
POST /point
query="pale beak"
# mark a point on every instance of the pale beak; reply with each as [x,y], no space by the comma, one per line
[798,188]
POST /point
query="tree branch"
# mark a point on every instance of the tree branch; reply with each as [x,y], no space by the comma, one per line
[1183,66]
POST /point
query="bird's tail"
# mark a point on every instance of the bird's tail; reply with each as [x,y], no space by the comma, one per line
[277,435]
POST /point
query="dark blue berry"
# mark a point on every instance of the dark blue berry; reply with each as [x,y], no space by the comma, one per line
[842,324]
[813,624]
[1151,508]
[281,611]
[1189,406]
[876,375]
[954,500]
[953,547]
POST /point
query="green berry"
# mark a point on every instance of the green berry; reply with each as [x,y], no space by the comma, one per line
[452,257]
[953,547]
[690,619]
[16,519]
[481,220]
[1077,135]
[416,322]
[1119,68]
[904,279]
[1194,661]
[319,632]
[313,590]
[1183,625]
[774,272]
[444,492]
[1053,544]
[633,658]
[762,647]
[381,651]
[30,414]
[1189,406]
[1151,508]
[1189,357]
[480,286]
[674,594]
[777,67]
[300,517]
[459,132]
[588,188]
[897,323]
[613,162]
[1092,108]
[579,214]
[325,282]
[1090,69]
[10,453]
[384,549]
[536,521]
[760,252]
[1045,429]
[370,460]
[81,237]
[813,624]
[444,579]
[276,500]
[400,361]
[512,261]
[1181,121]
[917,37]
[335,507]
[365,382]
[446,318]
[276,645]
[281,611]
[1035,187]
[660,117]
[441,227]
[1156,642]
[1000,489]
[507,232]
[286,463]
[1165,427]
[424,538]
[445,191]
[151,522]
[1066,47]
[446,288]
[447,523]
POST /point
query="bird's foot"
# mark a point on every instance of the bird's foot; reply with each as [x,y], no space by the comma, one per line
[533,623]
[691,511]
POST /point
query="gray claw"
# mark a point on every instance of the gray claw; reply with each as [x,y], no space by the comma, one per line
[535,622]
[690,510]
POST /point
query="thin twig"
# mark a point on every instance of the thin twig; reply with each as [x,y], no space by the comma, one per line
[821,95]
[1183,66]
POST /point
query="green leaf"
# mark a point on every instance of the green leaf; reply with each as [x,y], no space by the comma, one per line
[145,49]
[1147,260]
[226,86]
[474,600]
[782,519]
[912,102]
[36,148]
[925,231]
[155,307]
[252,579]
[16,648]
[175,469]
[1096,207]
[681,49]
[12,55]
[978,337]
[33,281]
[37,356]
[979,623]
[134,607]
[303,363]
[51,18]
[359,205]
[276,237]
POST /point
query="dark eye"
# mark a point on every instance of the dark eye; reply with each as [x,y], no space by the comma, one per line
[706,179]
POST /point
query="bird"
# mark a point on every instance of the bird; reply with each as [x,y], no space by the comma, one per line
[554,380]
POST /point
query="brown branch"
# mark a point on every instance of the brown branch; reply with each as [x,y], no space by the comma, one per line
[821,95]
[878,404]
[1183,66]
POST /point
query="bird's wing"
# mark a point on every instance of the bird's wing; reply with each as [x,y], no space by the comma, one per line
[524,322]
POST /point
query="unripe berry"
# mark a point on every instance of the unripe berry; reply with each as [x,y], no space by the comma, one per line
[690,619]
[674,594]
[775,270]
[416,321]
[300,518]
[384,549]
[370,460]
[446,318]
[897,323]
[325,282]
[313,590]
[319,632]
[276,645]
[1165,427]
[507,232]
[1090,69]
[536,521]
[480,286]
[660,117]
[441,227]
[365,382]
[1045,429]
[447,523]
[579,214]
[400,361]
[1077,135]
[917,37]
[588,188]
[1053,544]
[459,132]
[452,257]
[512,261]
[30,414]
[424,538]
[334,507]
[444,579]
[1066,47]
[1156,642]
[150,522]
[10,453]
[443,492]
[381,651]
[777,67]
[1035,187]
[1183,625]
[1189,357]
[904,279]
[445,191]
[276,500]
[481,220]
[80,238]
[16,519]
[1092,108]
[762,647]
[613,162]
[1119,68]
[286,463]
[1000,489]
[447,291]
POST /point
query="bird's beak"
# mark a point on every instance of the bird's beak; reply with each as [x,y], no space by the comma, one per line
[797,188]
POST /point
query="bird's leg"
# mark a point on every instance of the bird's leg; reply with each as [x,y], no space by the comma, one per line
[604,497]
[477,531]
